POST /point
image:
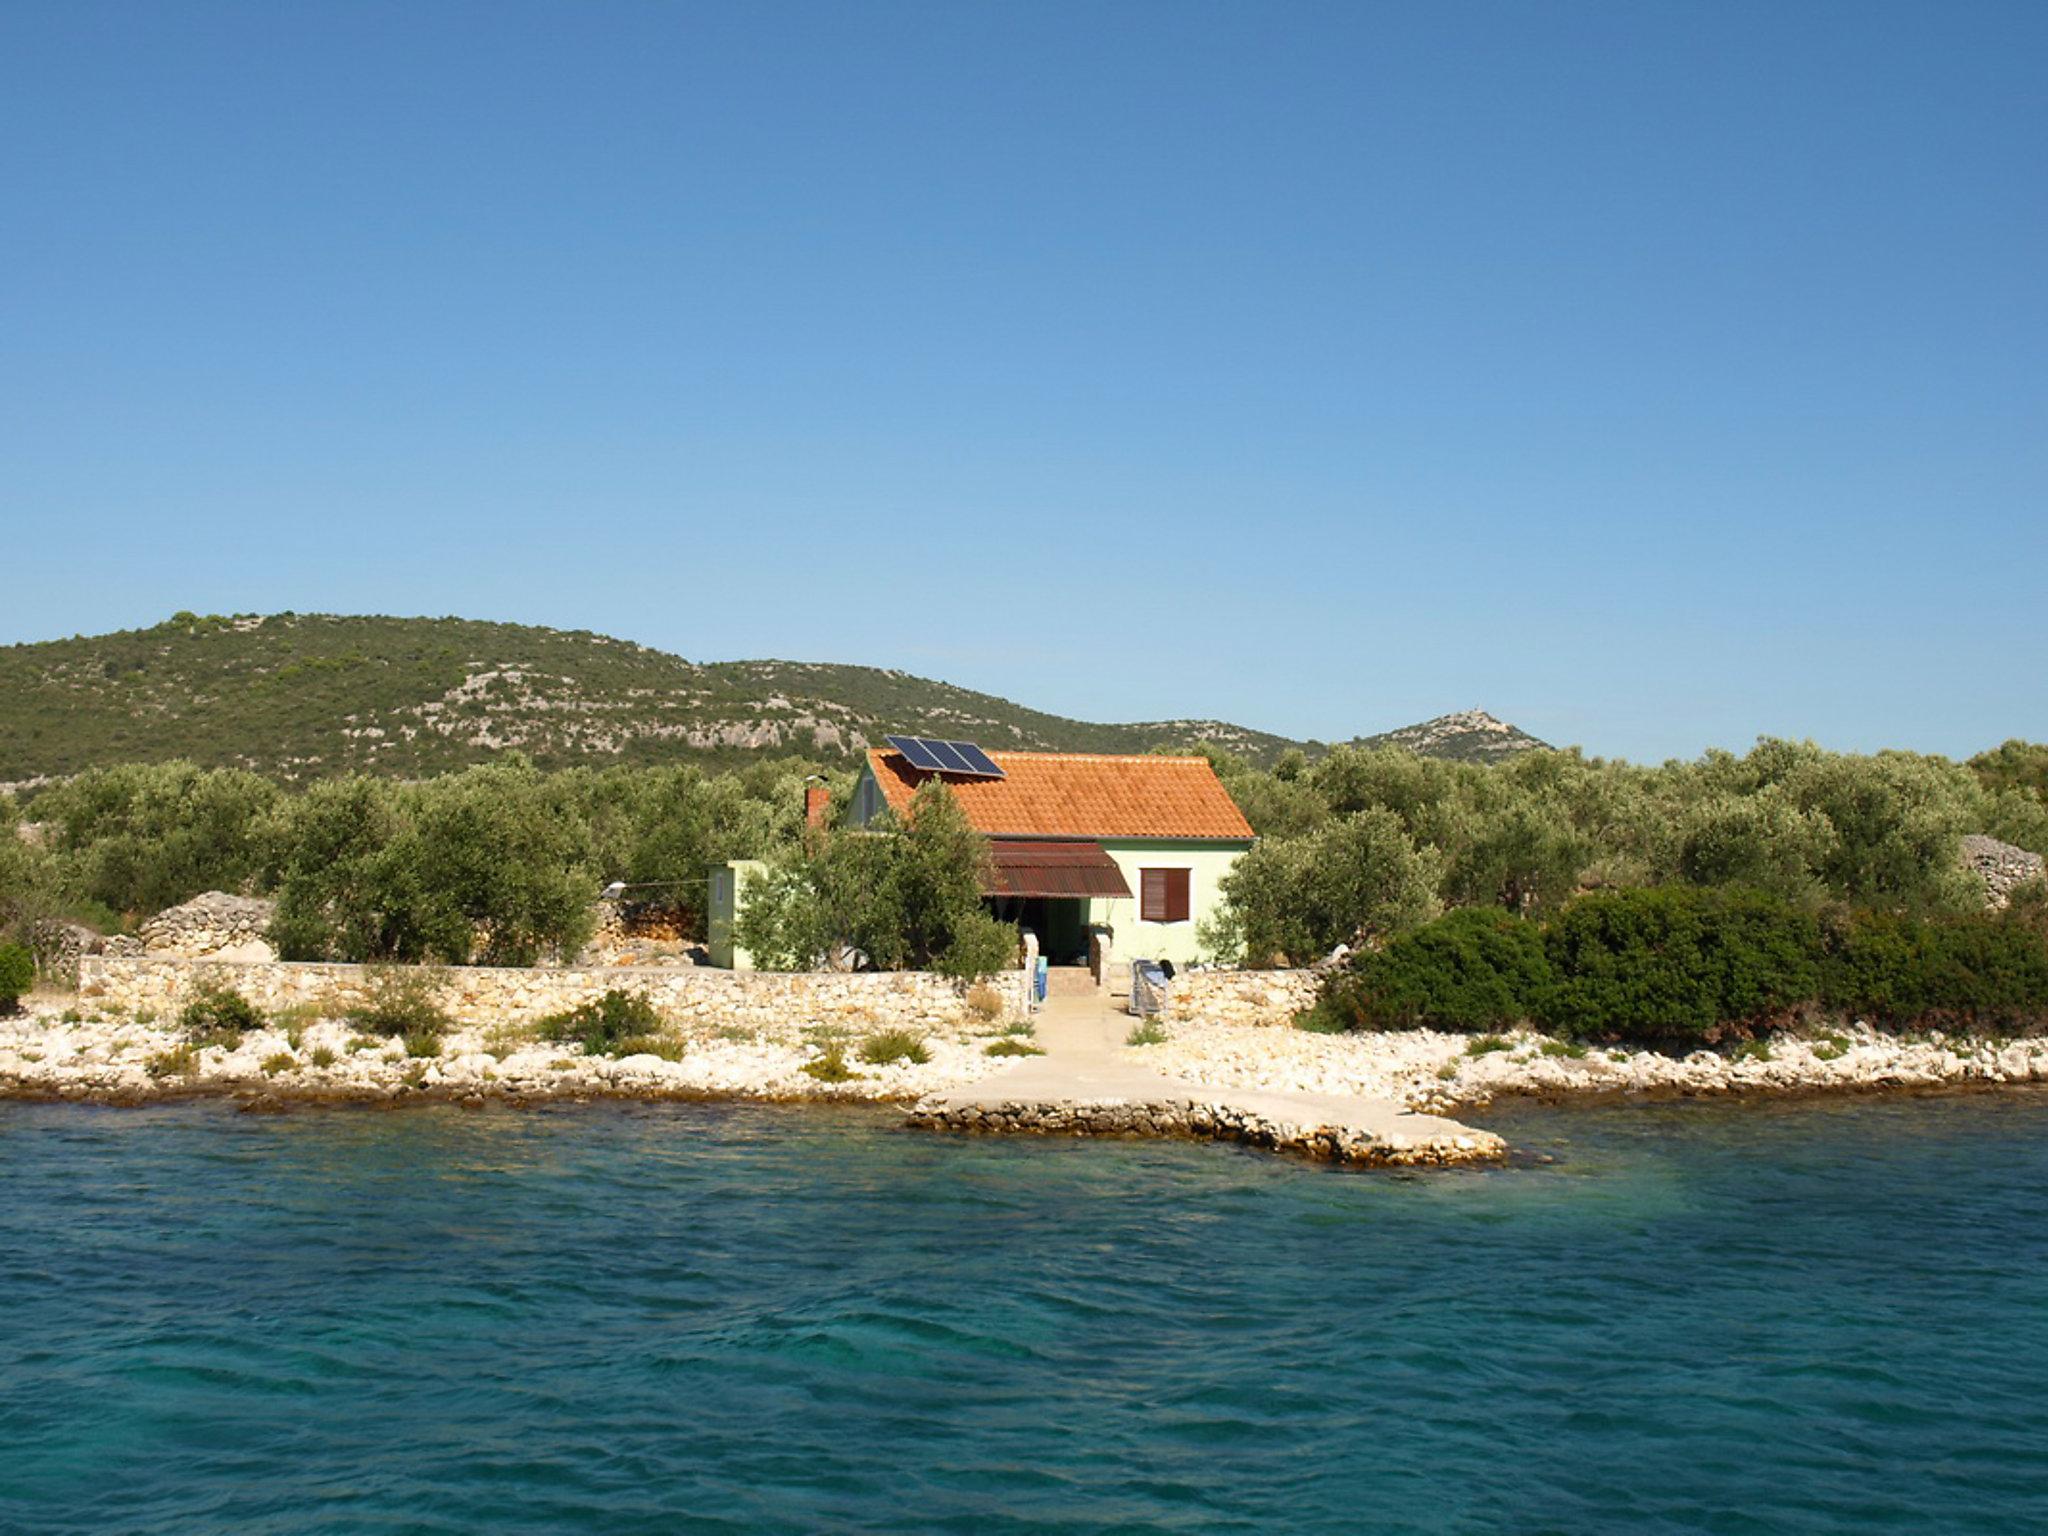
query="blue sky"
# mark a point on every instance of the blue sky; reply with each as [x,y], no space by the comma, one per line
[1655,375]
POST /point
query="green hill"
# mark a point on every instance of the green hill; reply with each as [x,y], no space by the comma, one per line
[305,695]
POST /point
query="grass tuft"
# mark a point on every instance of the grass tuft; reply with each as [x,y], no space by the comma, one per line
[889,1045]
[1007,1047]
[1146,1032]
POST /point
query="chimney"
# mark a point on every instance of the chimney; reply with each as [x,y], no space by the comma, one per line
[817,800]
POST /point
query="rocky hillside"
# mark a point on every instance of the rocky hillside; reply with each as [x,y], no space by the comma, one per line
[302,695]
[1469,736]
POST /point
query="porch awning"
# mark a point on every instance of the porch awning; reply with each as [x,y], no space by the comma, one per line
[1033,868]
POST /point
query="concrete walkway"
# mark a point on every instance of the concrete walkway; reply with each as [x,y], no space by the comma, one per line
[1089,1082]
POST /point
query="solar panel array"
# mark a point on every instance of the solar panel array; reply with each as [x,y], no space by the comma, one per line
[962,758]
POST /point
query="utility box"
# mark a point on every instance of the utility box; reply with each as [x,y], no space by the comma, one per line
[729,883]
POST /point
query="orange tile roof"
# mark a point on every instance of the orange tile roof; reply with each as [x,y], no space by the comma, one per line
[1073,794]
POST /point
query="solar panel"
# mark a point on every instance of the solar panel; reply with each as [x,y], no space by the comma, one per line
[916,751]
[963,759]
[978,761]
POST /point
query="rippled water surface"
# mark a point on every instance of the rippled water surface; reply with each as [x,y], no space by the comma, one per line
[685,1318]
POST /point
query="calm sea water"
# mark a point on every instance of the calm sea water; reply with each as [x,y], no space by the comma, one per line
[688,1318]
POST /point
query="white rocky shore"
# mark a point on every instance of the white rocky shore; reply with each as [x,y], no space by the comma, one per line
[50,1050]
[1439,1073]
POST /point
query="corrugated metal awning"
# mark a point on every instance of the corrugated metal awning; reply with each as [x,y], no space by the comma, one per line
[1034,868]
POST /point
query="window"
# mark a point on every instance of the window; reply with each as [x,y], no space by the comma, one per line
[1163,895]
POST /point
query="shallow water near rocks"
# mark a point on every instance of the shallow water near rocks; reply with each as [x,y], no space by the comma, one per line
[642,1318]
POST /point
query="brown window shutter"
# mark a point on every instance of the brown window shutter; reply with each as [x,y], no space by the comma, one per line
[1163,895]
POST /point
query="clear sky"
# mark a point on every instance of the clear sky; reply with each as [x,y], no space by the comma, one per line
[1655,375]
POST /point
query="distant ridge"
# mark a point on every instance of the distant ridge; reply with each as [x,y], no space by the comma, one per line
[308,695]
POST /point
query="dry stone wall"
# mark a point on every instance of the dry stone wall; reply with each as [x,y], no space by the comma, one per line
[484,995]
[2001,866]
[1240,997]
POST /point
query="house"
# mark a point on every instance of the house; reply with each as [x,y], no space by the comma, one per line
[1093,854]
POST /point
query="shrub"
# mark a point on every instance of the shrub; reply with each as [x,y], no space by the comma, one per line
[17,975]
[1956,973]
[1486,1045]
[322,1056]
[178,1061]
[423,1042]
[1673,964]
[403,1002]
[217,1015]
[603,1025]
[830,1065]
[282,1061]
[1009,1047]
[984,1002]
[889,1045]
[1474,969]
[1146,1032]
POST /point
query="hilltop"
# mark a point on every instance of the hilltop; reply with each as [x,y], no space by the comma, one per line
[306,695]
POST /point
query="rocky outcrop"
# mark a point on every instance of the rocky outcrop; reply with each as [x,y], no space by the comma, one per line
[2001,866]
[1326,1140]
[212,926]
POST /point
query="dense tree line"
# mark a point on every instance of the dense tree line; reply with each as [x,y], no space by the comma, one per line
[495,864]
[1359,846]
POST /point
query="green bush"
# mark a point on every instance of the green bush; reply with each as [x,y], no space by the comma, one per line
[402,1002]
[218,1015]
[830,1065]
[602,1025]
[1677,965]
[1957,973]
[17,975]
[1474,969]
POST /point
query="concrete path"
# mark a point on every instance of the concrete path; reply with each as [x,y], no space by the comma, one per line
[1087,1081]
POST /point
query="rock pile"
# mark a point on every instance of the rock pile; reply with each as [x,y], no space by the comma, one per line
[214,926]
[2001,866]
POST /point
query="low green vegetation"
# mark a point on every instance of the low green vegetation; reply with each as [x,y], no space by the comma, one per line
[177,1061]
[1487,1045]
[281,1061]
[403,1002]
[1147,1032]
[322,1057]
[1011,1047]
[606,1025]
[829,1065]
[893,1045]
[1680,967]
[218,1015]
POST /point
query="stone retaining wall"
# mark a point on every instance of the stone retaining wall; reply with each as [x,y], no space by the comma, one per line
[1240,997]
[483,995]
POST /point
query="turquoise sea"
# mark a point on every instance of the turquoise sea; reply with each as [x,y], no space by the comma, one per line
[734,1318]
